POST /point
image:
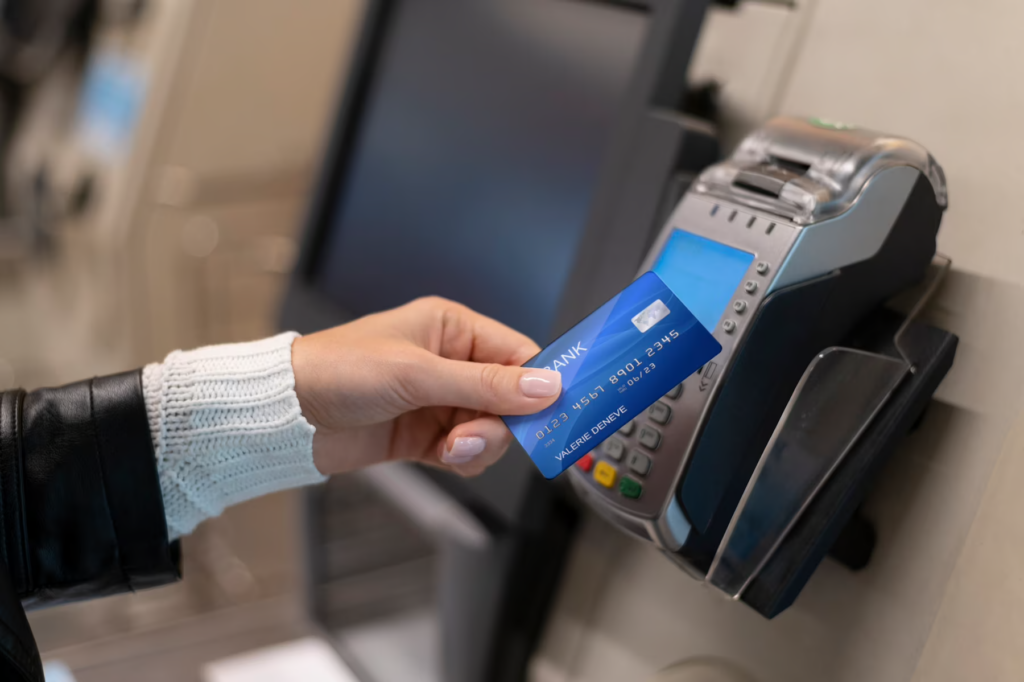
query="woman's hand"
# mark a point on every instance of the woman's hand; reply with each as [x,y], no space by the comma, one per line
[422,383]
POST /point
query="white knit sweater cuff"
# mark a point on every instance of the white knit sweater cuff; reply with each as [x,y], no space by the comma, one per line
[226,428]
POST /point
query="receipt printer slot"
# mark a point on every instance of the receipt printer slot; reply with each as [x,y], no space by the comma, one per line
[765,179]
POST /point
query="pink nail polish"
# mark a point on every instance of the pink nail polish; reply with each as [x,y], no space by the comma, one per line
[540,383]
[464,450]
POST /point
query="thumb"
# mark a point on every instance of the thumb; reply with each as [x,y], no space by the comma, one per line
[486,387]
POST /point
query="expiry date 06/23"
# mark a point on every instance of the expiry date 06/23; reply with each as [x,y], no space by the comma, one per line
[629,375]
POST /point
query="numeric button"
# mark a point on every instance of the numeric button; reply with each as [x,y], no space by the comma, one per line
[628,428]
[639,463]
[614,448]
[650,437]
[674,393]
[659,412]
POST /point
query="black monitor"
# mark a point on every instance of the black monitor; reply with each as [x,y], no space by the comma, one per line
[508,154]
[478,156]
[513,155]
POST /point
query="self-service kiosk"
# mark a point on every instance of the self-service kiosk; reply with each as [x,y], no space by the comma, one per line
[748,472]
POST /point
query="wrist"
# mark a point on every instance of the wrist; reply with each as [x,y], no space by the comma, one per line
[306,371]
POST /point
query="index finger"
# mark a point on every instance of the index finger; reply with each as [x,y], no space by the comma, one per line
[496,342]
[469,335]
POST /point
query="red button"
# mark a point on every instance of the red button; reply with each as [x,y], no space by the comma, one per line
[586,462]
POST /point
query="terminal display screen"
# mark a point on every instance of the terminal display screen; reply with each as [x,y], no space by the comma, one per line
[703,273]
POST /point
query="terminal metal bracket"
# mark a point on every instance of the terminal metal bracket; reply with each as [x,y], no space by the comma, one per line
[836,400]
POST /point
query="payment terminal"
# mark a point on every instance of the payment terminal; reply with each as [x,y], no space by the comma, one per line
[747,472]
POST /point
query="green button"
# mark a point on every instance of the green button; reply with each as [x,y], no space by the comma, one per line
[630,488]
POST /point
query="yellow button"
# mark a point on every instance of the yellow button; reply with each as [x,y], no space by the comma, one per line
[604,473]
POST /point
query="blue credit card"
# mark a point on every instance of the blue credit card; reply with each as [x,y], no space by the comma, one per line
[614,365]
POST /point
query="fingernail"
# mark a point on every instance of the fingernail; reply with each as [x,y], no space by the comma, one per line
[541,383]
[464,450]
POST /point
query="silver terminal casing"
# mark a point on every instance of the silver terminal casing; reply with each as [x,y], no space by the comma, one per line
[836,161]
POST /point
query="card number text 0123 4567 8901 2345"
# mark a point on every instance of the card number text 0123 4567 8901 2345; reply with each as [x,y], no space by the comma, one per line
[629,375]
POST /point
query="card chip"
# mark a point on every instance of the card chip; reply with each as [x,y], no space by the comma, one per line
[650,316]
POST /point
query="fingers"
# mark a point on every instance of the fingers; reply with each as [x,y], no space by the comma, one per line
[486,387]
[464,334]
[475,445]
[496,342]
[469,361]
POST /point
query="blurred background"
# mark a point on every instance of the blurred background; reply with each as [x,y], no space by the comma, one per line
[158,158]
[163,164]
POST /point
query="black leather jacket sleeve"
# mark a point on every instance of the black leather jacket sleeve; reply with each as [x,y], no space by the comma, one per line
[81,513]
